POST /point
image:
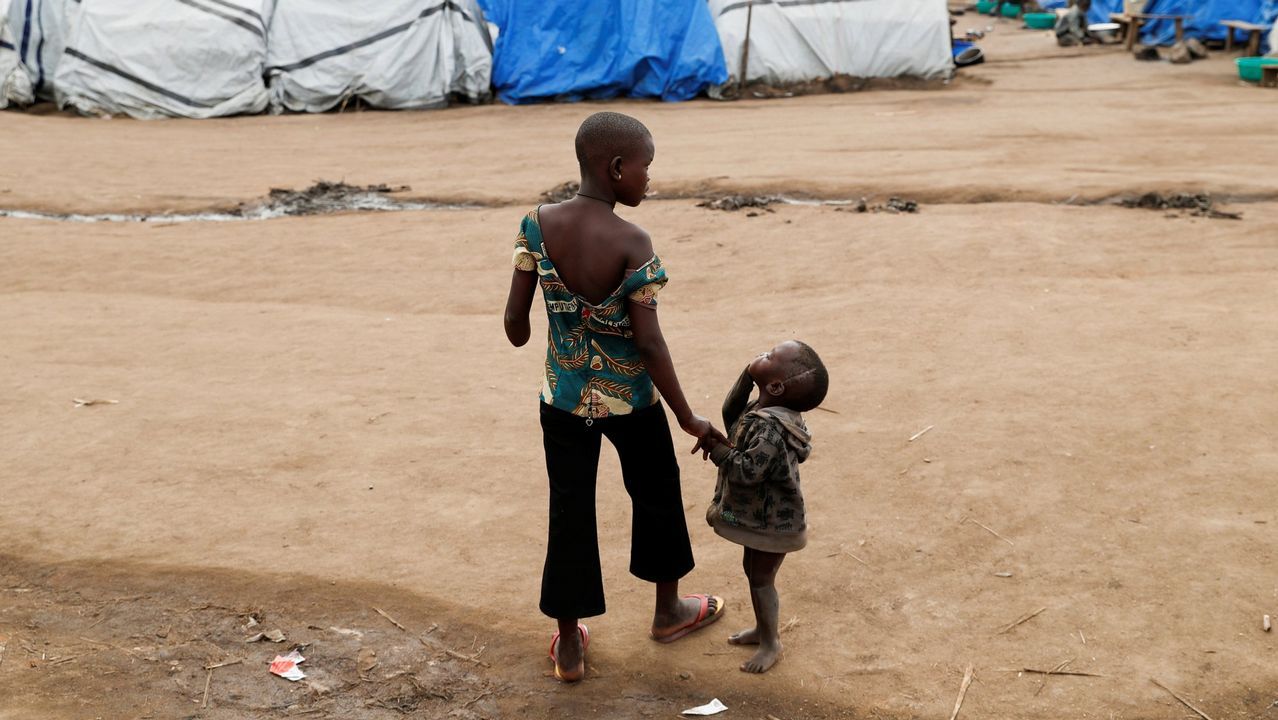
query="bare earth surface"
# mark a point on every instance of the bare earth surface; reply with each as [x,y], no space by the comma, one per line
[319,427]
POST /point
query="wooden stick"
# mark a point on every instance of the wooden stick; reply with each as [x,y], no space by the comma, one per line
[745,51]
[842,551]
[1059,666]
[223,664]
[1059,672]
[967,680]
[920,433]
[990,531]
[1080,636]
[467,658]
[392,620]
[208,680]
[822,408]
[477,698]
[1186,703]
[1022,619]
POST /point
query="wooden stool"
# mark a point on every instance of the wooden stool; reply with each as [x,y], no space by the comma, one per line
[1124,24]
[1253,35]
[1269,76]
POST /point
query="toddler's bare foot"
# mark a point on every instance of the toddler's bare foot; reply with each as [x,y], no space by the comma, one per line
[764,659]
[745,637]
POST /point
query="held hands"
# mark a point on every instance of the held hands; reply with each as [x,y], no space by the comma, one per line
[707,435]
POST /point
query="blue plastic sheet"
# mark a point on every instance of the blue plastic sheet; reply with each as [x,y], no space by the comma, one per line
[1203,21]
[573,50]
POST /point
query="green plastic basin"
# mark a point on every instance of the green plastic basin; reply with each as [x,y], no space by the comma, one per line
[1011,11]
[1040,21]
[1249,67]
[985,7]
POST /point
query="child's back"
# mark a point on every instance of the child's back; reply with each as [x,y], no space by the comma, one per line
[591,247]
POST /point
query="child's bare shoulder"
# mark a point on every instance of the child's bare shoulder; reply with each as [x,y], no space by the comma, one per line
[636,241]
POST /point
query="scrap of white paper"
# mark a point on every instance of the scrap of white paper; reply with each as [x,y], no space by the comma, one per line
[714,707]
[286,666]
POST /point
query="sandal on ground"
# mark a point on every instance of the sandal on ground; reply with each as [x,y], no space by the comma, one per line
[560,674]
[704,617]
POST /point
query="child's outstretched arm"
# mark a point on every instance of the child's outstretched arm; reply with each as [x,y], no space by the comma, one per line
[738,398]
[523,285]
[656,357]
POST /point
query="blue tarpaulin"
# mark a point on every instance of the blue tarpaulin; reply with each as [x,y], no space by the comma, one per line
[1203,21]
[574,50]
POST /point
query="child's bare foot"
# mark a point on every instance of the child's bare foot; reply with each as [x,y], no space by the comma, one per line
[767,656]
[745,637]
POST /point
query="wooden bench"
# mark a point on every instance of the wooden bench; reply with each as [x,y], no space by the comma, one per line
[1253,35]
[1131,22]
[1269,76]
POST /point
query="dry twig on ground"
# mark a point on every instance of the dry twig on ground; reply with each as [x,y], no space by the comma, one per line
[989,530]
[1021,620]
[393,621]
[1183,701]
[958,703]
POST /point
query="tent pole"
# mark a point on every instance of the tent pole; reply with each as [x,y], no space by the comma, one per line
[745,51]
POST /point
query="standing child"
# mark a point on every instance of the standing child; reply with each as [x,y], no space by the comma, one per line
[757,500]
[606,362]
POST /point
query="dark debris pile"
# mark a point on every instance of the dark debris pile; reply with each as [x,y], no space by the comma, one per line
[732,203]
[1197,204]
[894,205]
[324,197]
[561,192]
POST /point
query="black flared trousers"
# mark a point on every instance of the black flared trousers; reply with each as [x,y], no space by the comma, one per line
[572,583]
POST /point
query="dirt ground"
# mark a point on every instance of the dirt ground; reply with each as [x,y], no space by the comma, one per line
[318,418]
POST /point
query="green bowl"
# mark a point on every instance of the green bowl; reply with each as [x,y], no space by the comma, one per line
[1249,67]
[1040,21]
[1010,10]
[985,7]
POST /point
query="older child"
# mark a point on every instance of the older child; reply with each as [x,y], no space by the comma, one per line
[757,500]
[606,362]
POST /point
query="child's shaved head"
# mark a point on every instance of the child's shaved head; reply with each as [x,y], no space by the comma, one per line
[810,380]
[606,135]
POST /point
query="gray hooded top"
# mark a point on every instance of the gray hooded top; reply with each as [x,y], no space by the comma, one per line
[757,500]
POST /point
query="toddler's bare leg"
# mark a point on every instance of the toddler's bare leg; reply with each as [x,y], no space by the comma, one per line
[761,570]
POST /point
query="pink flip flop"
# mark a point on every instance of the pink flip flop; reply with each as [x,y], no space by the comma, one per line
[585,643]
[704,618]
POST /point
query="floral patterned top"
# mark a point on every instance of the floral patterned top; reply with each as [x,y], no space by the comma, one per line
[593,368]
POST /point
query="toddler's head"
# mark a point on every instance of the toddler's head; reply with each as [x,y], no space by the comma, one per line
[792,375]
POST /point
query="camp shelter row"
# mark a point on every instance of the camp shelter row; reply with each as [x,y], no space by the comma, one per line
[208,58]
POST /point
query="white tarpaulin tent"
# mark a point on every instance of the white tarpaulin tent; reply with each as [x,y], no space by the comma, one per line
[157,58]
[15,84]
[799,40]
[36,30]
[394,54]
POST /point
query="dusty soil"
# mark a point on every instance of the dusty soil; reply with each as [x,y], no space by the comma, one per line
[319,416]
